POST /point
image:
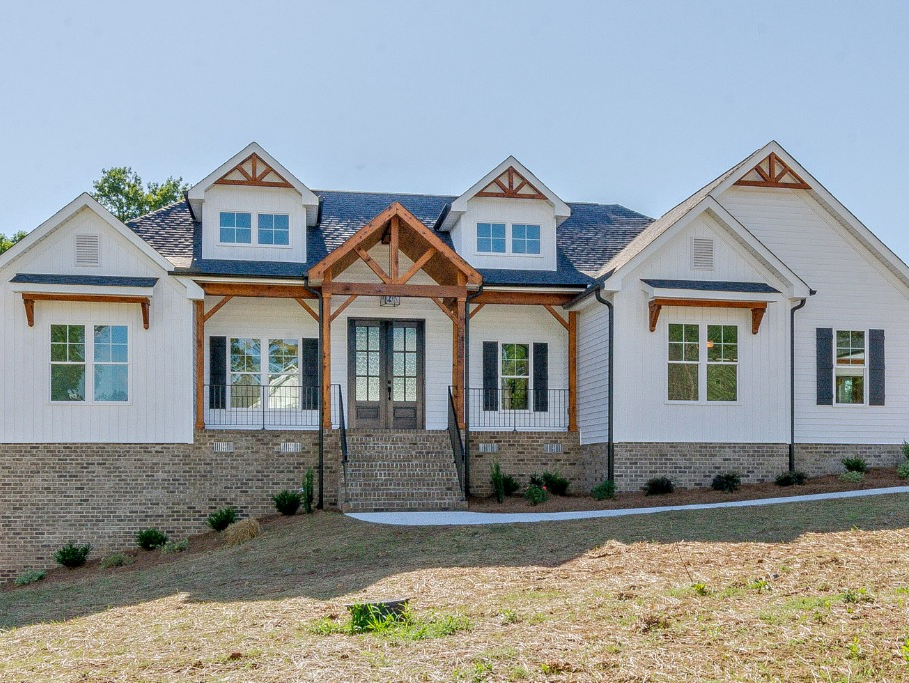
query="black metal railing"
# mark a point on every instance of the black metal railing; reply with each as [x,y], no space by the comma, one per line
[268,406]
[518,409]
[339,419]
[454,433]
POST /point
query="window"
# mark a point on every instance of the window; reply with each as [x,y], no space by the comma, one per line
[245,372]
[280,375]
[236,228]
[850,367]
[686,363]
[109,371]
[525,239]
[515,376]
[274,228]
[491,238]
[283,373]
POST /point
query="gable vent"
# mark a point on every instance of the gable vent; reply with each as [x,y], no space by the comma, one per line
[702,253]
[88,250]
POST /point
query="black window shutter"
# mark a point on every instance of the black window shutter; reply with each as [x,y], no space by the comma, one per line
[217,372]
[824,366]
[876,367]
[490,375]
[541,377]
[309,374]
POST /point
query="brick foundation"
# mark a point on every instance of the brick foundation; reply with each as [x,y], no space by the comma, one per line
[104,493]
[815,459]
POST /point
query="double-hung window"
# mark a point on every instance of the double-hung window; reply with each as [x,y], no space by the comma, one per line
[850,367]
[236,227]
[97,367]
[689,369]
[491,238]
[278,377]
[515,376]
[274,228]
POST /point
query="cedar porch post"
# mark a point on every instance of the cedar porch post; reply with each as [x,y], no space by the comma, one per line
[458,364]
[199,308]
[325,322]
[572,371]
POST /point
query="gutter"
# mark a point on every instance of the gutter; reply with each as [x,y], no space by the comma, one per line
[470,298]
[318,296]
[792,380]
[610,444]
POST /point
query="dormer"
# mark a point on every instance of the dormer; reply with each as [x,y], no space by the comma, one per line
[507,220]
[253,209]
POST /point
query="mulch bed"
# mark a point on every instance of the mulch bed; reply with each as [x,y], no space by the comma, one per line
[874,478]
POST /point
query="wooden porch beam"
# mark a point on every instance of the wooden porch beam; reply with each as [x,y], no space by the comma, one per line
[476,310]
[217,307]
[326,360]
[417,266]
[393,248]
[375,289]
[199,310]
[524,298]
[347,303]
[445,309]
[758,308]
[459,327]
[308,309]
[573,371]
[371,262]
[555,315]
[256,290]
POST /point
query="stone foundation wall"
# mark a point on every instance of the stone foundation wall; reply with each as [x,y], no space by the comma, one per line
[104,493]
[815,459]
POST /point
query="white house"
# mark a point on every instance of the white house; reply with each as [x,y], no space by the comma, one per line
[209,352]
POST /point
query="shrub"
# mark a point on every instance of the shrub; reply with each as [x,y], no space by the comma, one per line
[852,477]
[114,560]
[791,479]
[906,449]
[72,556]
[536,494]
[555,483]
[537,480]
[658,486]
[287,502]
[219,520]
[728,482]
[175,547]
[497,479]
[511,485]
[855,465]
[149,539]
[242,531]
[604,490]
[30,576]
[308,490]
[903,470]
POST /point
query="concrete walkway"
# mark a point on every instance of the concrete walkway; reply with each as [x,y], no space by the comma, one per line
[463,518]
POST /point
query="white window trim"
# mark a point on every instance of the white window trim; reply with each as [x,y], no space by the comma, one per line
[254,230]
[702,365]
[529,408]
[90,365]
[263,368]
[864,373]
[508,241]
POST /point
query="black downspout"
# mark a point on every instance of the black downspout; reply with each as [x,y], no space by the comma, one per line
[610,445]
[792,383]
[318,296]
[466,403]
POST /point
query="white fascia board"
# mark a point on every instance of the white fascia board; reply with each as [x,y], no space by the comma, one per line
[193,291]
[701,295]
[459,205]
[100,290]
[196,193]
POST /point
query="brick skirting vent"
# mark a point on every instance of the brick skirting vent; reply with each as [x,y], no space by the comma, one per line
[291,447]
[489,448]
[222,447]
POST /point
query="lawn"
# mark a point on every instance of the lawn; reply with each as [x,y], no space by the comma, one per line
[800,592]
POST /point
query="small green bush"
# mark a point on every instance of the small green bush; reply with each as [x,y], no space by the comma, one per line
[115,560]
[72,555]
[906,449]
[791,479]
[536,494]
[219,520]
[729,482]
[287,502]
[604,490]
[555,483]
[658,486]
[149,539]
[30,576]
[175,547]
[308,490]
[497,479]
[903,470]
[852,477]
[855,465]
[511,485]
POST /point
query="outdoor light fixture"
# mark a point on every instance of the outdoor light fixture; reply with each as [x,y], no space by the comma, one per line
[389,301]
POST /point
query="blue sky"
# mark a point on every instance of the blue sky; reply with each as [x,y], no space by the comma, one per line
[632,103]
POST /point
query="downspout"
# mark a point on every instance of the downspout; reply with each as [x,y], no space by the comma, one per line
[318,296]
[792,383]
[470,297]
[610,444]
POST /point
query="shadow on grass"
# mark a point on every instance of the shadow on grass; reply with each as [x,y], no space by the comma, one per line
[328,555]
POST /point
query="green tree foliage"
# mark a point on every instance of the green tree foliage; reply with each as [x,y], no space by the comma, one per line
[7,242]
[123,193]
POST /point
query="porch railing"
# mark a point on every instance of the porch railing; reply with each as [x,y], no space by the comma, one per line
[454,433]
[508,409]
[257,406]
[338,400]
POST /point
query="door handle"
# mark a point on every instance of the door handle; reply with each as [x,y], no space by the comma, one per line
[389,389]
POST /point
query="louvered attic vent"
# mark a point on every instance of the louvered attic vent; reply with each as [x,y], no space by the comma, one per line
[88,250]
[701,253]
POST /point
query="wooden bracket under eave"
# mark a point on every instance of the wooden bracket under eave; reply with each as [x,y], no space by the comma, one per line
[29,299]
[758,308]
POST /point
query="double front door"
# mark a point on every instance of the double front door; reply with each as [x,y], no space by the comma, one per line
[385,373]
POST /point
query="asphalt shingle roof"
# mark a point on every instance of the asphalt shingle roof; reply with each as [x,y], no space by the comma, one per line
[592,235]
[90,280]
[713,286]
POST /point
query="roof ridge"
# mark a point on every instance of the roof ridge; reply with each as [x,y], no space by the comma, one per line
[377,192]
[159,210]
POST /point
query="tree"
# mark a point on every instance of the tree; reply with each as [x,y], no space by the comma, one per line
[7,242]
[122,192]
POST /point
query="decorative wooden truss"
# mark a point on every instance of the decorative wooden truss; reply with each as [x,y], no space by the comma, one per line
[758,308]
[253,171]
[511,185]
[29,299]
[773,172]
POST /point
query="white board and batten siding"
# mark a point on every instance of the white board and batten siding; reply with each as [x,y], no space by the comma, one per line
[854,292]
[593,372]
[159,409]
